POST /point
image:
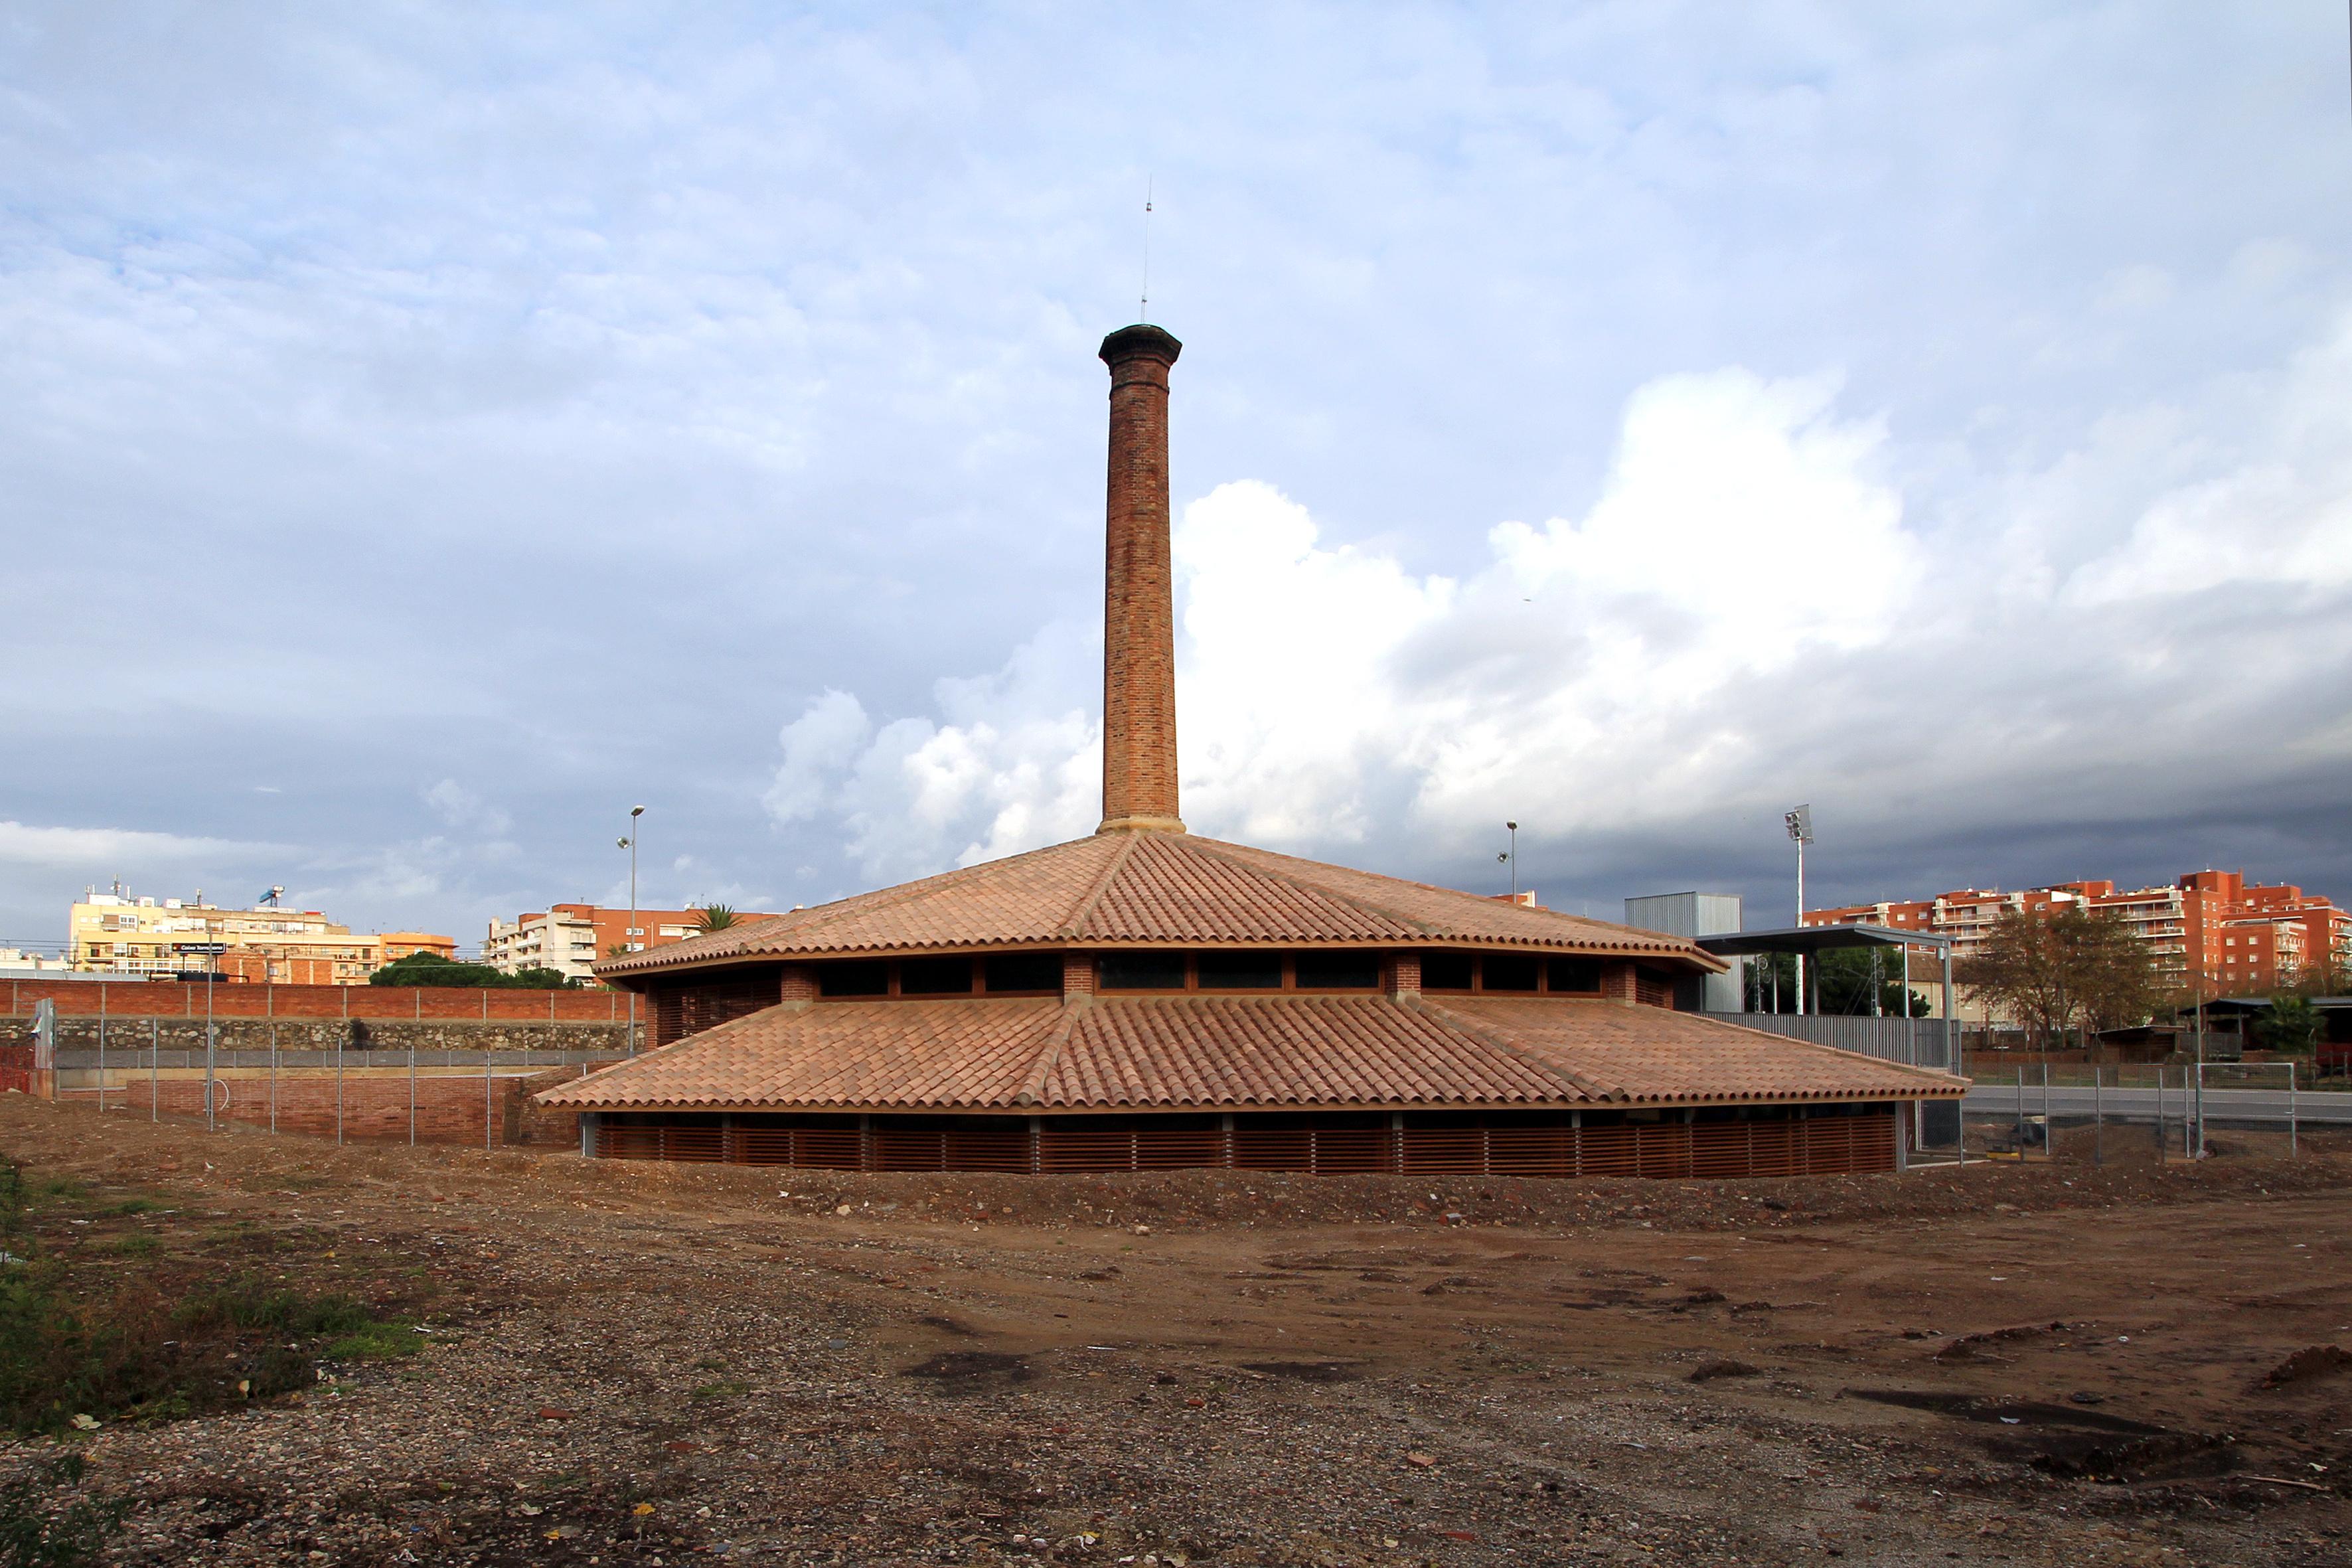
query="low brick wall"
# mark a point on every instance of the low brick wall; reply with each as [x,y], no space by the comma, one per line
[371,1107]
[185,999]
[80,1034]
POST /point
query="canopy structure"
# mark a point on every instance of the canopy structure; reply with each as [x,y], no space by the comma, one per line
[1812,941]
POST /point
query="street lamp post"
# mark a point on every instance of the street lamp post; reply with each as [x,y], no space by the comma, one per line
[1800,828]
[1512,855]
[628,936]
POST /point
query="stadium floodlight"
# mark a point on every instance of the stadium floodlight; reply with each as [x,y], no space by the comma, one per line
[1800,828]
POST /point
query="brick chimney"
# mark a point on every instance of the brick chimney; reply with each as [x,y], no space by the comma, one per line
[1138,591]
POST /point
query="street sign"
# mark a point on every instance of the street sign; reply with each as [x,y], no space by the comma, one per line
[210,949]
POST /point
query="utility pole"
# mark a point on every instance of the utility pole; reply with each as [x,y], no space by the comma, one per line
[2200,1112]
[1800,828]
[629,937]
[210,952]
[1512,855]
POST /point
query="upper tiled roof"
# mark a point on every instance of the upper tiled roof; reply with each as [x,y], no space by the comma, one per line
[1147,889]
[1208,1052]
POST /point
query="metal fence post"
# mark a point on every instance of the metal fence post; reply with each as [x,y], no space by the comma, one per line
[155,1045]
[2021,1113]
[2098,1121]
[2049,1139]
[2290,1111]
[412,1091]
[485,1097]
[338,1082]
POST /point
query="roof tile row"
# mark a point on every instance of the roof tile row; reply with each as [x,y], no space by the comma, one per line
[1178,1052]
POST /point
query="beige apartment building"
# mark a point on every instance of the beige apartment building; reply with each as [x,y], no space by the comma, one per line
[119,934]
[569,938]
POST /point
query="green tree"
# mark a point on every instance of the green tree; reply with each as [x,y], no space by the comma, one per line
[1846,977]
[2292,1026]
[1837,980]
[714,917]
[2053,973]
[432,969]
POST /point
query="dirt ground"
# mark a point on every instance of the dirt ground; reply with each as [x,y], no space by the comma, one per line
[2045,1364]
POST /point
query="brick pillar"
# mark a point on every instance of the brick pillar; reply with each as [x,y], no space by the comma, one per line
[1404,975]
[1617,981]
[798,984]
[1077,974]
[1138,591]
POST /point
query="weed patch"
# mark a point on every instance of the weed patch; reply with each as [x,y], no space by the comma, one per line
[45,1524]
[378,1340]
[109,1343]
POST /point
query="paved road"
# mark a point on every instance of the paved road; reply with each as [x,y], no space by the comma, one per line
[2248,1105]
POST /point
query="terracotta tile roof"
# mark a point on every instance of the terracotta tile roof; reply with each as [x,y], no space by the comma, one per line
[1147,889]
[1204,1052]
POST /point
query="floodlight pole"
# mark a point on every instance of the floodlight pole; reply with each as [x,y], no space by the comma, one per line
[210,962]
[2200,1066]
[1800,828]
[1513,828]
[628,937]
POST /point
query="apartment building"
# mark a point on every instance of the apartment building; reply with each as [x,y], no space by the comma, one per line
[117,934]
[569,938]
[2208,926]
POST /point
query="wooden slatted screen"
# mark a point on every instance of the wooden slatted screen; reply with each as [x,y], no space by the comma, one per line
[1809,1146]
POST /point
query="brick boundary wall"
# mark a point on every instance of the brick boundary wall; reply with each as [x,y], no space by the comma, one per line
[136,1034]
[185,999]
[449,1109]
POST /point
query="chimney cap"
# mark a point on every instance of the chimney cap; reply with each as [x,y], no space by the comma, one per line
[1141,341]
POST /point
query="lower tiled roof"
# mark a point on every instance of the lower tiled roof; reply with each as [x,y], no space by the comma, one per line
[1225,1052]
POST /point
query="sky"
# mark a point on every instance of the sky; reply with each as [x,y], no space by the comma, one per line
[429,431]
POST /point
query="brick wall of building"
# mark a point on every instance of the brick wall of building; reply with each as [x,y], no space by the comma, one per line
[1138,587]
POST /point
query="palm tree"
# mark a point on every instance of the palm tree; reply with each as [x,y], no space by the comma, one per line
[715,916]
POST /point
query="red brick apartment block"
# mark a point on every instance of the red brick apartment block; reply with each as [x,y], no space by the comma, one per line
[2208,929]
[1138,591]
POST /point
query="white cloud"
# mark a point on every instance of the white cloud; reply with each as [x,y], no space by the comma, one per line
[461,808]
[1012,760]
[816,746]
[97,852]
[1744,610]
[1324,689]
[2278,514]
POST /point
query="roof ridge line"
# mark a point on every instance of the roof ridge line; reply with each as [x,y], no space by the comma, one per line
[839,909]
[1033,1087]
[1576,1080]
[1362,905]
[1634,939]
[1085,907]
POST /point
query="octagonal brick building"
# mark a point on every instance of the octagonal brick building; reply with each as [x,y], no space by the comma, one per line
[1145,998]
